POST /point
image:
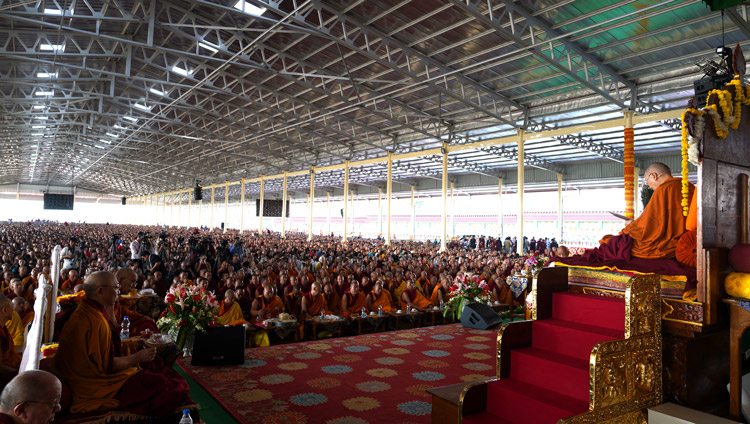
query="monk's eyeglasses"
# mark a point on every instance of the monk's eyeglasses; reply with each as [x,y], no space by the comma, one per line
[52,405]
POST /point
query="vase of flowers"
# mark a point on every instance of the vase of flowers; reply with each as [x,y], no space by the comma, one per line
[189,308]
[467,288]
[534,264]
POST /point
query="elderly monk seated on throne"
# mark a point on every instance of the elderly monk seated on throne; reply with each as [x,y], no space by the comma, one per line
[656,232]
[650,242]
[104,373]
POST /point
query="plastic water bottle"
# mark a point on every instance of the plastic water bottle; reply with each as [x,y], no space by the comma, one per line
[441,304]
[322,314]
[380,310]
[125,328]
[364,313]
[186,418]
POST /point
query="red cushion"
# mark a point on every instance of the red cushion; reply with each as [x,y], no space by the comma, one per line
[686,251]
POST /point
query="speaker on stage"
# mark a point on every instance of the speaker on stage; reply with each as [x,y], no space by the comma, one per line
[124,200]
[198,193]
[222,226]
[219,346]
[479,315]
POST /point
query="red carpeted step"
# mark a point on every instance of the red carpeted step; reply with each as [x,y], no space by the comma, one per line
[485,418]
[570,338]
[520,402]
[552,371]
[605,312]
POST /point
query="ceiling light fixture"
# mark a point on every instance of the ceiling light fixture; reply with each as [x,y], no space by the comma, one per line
[208,47]
[51,47]
[157,92]
[52,11]
[46,75]
[250,9]
[180,71]
[142,107]
[45,93]
[38,107]
[130,118]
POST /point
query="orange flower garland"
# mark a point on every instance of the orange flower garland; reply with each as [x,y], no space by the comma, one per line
[629,170]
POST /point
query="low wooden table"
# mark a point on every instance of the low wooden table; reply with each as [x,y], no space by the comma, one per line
[431,316]
[376,323]
[412,317]
[333,326]
[739,321]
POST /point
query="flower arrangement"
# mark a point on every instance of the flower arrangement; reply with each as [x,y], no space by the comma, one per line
[467,288]
[189,308]
[535,263]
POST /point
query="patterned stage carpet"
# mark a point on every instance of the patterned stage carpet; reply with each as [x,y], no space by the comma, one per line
[376,378]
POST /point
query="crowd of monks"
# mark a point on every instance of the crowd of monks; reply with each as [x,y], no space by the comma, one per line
[254,276]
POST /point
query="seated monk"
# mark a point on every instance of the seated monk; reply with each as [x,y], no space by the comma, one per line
[230,312]
[411,297]
[10,359]
[18,290]
[16,330]
[439,292]
[332,299]
[71,281]
[138,322]
[32,397]
[91,359]
[379,299]
[314,303]
[24,309]
[293,301]
[656,232]
[266,306]
[353,301]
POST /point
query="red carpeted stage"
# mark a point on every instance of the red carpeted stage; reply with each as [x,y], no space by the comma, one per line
[376,378]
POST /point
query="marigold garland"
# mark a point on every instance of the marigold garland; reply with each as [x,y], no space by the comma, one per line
[729,118]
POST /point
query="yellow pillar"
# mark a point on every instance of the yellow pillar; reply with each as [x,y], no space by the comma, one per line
[559,208]
[312,201]
[226,206]
[283,207]
[328,211]
[629,164]
[500,208]
[190,207]
[443,246]
[262,201]
[179,208]
[453,213]
[380,211]
[388,192]
[346,199]
[413,216]
[200,211]
[242,205]
[520,189]
[171,208]
[164,208]
[211,224]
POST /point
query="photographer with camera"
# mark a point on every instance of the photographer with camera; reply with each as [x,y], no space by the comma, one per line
[71,254]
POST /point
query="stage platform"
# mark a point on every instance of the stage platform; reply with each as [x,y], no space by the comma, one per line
[374,378]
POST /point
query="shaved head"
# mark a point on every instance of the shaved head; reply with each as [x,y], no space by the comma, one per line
[659,168]
[28,390]
[124,273]
[4,301]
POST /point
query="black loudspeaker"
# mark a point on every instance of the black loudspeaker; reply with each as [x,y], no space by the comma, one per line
[222,226]
[481,316]
[124,200]
[198,193]
[219,346]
